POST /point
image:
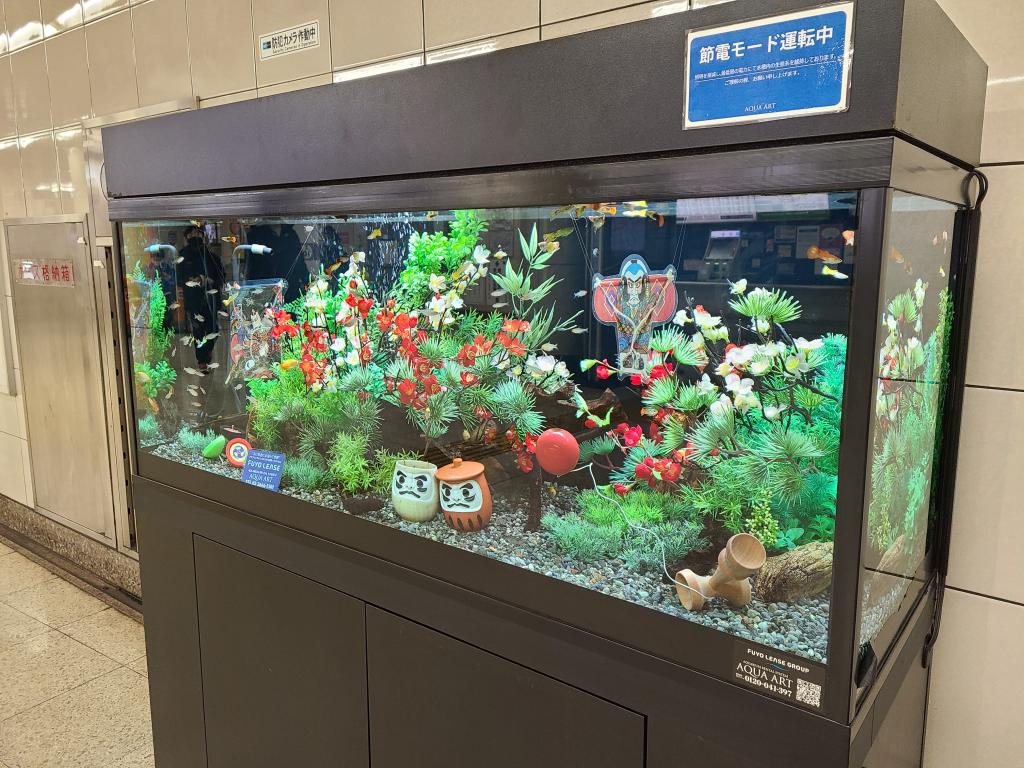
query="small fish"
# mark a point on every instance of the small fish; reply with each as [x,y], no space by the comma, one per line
[174,351]
[211,366]
[211,336]
[169,395]
[287,365]
[499,292]
[236,286]
[202,390]
[192,283]
[230,239]
[551,247]
[179,260]
[896,256]
[196,223]
[308,227]
[549,347]
[499,255]
[580,294]
[579,331]
[849,236]
[199,318]
[814,252]
[374,235]
[942,271]
[142,376]
[213,291]
[431,215]
[197,405]
[739,287]
[827,270]
[558,234]
[175,305]
[153,404]
[222,313]
[193,372]
[500,304]
[239,386]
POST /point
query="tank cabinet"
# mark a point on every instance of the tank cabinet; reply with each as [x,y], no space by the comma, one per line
[612,433]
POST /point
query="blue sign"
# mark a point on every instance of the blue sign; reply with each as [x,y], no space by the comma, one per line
[263,469]
[783,66]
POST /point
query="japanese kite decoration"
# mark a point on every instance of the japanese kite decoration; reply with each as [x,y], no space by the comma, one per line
[635,301]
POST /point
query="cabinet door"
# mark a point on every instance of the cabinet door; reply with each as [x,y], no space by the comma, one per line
[436,702]
[284,666]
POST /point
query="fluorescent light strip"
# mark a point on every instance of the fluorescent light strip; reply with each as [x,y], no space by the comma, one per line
[370,70]
[668,8]
[462,52]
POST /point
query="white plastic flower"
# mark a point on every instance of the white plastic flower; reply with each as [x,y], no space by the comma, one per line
[352,358]
[760,324]
[455,301]
[920,287]
[772,412]
[747,402]
[540,366]
[437,283]
[721,333]
[438,304]
[724,369]
[738,386]
[358,257]
[797,363]
[760,366]
[739,287]
[481,255]
[705,319]
[739,357]
[338,344]
[682,317]
[343,313]
[805,346]
[698,340]
[706,386]
[721,406]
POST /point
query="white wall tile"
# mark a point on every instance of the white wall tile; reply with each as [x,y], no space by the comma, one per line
[987,545]
[637,12]
[71,170]
[23,22]
[15,353]
[12,476]
[485,46]
[93,9]
[10,414]
[161,51]
[70,92]
[39,172]
[8,120]
[448,22]
[295,85]
[272,16]
[997,309]
[222,52]
[364,32]
[12,194]
[59,15]
[560,10]
[974,713]
[112,64]
[4,43]
[992,26]
[231,98]
[31,89]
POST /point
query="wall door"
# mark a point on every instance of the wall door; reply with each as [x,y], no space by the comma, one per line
[56,325]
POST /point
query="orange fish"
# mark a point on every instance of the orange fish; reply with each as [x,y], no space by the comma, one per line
[825,257]
[849,236]
[287,365]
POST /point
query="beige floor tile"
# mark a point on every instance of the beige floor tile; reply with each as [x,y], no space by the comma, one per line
[137,758]
[43,667]
[18,572]
[92,726]
[4,549]
[55,602]
[111,633]
[16,627]
[141,666]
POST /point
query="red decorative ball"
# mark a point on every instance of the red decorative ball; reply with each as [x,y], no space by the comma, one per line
[557,451]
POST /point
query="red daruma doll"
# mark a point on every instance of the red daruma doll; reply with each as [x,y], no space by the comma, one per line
[465,497]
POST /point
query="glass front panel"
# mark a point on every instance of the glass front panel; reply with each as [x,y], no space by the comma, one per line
[912,374]
[640,398]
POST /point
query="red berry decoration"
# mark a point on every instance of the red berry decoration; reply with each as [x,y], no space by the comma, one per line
[557,451]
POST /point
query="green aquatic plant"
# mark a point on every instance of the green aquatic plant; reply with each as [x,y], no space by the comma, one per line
[648,530]
[155,379]
[761,523]
[147,428]
[153,374]
[194,442]
[347,462]
[439,254]
[303,474]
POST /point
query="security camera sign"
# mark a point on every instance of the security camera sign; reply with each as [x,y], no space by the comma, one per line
[291,40]
[791,65]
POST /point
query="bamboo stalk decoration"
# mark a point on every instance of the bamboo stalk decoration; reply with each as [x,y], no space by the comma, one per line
[742,557]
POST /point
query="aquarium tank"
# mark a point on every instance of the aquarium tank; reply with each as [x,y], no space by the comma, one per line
[638,397]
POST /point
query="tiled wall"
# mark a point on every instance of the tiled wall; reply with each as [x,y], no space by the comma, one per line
[62,61]
[975,712]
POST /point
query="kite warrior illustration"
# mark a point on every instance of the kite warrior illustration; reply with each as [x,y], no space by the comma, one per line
[635,302]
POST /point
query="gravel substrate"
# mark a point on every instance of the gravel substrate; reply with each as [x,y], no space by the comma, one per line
[800,627]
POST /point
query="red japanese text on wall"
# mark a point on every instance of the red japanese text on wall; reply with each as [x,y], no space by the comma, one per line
[54,272]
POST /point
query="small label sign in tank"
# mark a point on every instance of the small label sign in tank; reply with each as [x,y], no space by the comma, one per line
[777,674]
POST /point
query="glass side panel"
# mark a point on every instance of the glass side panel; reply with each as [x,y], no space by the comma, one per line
[629,396]
[913,334]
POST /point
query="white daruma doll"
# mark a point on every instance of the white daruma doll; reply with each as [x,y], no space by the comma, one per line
[414,490]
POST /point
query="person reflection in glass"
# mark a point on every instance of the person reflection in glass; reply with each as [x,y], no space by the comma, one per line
[201,276]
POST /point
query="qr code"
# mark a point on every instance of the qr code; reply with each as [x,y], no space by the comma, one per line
[808,693]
